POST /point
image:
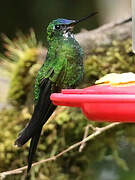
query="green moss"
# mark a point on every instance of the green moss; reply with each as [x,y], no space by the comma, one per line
[24,52]
[21,79]
[104,60]
[10,122]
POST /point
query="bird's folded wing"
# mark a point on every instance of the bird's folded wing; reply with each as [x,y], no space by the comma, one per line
[42,111]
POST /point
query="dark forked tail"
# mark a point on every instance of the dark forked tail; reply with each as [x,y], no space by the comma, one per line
[35,139]
[32,150]
[42,111]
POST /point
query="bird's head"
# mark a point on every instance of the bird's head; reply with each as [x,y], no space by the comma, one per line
[63,27]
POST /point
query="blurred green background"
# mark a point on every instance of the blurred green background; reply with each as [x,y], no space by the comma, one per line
[108,157]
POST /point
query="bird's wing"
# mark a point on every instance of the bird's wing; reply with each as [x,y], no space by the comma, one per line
[42,111]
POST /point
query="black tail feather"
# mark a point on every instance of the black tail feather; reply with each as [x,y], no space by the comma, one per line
[32,149]
[39,115]
[42,111]
[35,139]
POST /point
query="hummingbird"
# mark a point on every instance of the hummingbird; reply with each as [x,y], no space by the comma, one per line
[62,68]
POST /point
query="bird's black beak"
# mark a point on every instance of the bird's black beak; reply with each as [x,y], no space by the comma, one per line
[83,19]
[70,26]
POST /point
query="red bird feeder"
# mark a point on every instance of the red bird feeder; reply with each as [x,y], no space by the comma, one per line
[101,102]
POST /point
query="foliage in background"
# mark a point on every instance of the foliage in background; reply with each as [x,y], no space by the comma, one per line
[112,59]
[24,52]
[68,124]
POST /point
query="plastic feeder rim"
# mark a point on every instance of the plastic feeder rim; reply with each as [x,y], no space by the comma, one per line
[100,102]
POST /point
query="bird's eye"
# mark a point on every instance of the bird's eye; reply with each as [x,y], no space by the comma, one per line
[57,27]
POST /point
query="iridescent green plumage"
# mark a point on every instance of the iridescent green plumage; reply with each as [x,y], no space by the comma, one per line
[63,68]
[64,63]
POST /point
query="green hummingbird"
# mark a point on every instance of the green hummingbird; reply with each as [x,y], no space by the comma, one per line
[62,68]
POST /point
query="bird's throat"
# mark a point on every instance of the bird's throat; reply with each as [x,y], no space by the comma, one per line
[68,34]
